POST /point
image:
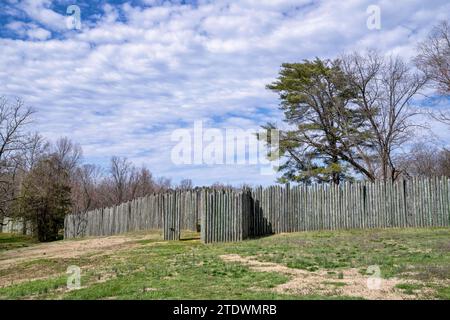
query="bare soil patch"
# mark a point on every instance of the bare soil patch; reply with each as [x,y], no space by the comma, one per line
[70,249]
[351,283]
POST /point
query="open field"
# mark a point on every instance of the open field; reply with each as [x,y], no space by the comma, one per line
[414,264]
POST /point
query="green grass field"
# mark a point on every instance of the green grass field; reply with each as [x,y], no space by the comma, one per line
[414,264]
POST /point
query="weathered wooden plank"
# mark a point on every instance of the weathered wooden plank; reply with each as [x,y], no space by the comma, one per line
[229,215]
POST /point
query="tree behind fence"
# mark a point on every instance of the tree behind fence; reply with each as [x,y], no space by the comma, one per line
[230,215]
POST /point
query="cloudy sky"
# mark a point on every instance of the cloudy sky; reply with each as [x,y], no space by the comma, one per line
[138,70]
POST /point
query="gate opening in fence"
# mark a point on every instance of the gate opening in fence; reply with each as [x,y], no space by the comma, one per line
[235,215]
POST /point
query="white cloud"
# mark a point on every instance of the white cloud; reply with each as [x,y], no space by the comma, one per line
[29,30]
[38,33]
[121,86]
[39,11]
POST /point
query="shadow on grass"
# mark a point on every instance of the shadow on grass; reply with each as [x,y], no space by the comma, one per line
[190,238]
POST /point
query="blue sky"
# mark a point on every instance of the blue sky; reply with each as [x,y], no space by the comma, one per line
[138,70]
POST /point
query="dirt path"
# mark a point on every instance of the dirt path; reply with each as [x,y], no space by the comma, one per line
[70,249]
[12,259]
[304,282]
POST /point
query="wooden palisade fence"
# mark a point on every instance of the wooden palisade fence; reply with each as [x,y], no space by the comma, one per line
[170,211]
[230,215]
[9,225]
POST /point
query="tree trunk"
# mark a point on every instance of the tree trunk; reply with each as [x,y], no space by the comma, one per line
[24,227]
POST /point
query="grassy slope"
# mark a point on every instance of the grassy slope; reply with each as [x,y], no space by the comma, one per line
[191,270]
[10,241]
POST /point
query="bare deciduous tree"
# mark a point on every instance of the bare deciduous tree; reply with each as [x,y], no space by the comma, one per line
[425,160]
[85,182]
[120,173]
[434,56]
[434,60]
[163,184]
[386,87]
[14,118]
[68,153]
[185,184]
[37,148]
[141,183]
